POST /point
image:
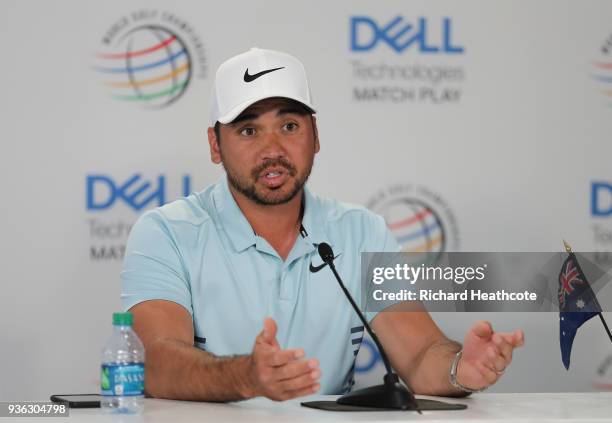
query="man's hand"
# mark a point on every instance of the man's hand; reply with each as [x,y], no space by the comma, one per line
[280,374]
[486,354]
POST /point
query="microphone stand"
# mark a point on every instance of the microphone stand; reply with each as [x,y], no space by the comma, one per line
[391,394]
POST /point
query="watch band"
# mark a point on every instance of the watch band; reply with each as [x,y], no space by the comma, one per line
[453,375]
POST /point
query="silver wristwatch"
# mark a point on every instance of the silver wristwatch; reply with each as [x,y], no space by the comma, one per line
[453,376]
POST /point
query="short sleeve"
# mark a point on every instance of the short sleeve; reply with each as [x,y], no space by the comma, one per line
[153,267]
[384,241]
[389,244]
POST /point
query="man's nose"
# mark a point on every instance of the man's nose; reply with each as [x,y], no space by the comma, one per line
[272,146]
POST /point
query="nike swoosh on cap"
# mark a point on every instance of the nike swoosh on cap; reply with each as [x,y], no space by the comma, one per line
[250,78]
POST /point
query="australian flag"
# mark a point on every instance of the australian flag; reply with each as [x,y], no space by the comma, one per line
[577,304]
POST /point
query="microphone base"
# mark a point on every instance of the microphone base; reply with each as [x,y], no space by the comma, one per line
[390,395]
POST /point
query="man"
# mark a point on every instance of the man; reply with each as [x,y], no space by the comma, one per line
[202,273]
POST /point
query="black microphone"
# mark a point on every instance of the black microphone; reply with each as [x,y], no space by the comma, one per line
[392,394]
[326,253]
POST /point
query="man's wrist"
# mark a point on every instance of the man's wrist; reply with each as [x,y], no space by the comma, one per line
[454,375]
[248,385]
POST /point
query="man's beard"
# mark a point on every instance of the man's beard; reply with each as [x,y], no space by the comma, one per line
[249,190]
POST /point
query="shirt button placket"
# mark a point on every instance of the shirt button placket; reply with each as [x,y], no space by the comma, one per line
[286,290]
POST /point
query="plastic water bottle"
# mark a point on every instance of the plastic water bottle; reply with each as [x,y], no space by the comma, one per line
[122,370]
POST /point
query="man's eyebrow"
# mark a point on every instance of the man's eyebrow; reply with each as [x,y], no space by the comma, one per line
[241,118]
[281,112]
[290,110]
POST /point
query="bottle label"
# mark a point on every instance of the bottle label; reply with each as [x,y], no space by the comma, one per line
[122,379]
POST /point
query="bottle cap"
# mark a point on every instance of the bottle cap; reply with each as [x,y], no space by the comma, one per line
[123,319]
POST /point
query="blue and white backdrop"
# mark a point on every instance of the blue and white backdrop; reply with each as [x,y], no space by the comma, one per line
[488,123]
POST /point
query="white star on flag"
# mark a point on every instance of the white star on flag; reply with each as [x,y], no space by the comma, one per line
[580,303]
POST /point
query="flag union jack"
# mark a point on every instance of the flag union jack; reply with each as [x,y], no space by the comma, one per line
[577,304]
[568,279]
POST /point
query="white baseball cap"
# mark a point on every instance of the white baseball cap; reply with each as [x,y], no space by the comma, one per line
[254,75]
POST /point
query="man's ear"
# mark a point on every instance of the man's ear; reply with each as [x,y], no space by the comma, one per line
[316,133]
[213,142]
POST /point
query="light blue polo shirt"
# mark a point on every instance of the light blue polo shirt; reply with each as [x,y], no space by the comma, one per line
[201,252]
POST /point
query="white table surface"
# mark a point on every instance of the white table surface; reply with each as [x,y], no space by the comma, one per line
[484,407]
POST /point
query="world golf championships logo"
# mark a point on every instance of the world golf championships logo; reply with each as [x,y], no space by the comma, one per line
[419,219]
[416,227]
[150,64]
[150,57]
[601,71]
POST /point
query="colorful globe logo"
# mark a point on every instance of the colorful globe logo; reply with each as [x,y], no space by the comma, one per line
[415,225]
[601,71]
[603,375]
[150,65]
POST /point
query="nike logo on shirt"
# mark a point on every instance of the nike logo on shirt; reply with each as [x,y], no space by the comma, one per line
[315,269]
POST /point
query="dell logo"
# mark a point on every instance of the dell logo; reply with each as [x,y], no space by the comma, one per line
[400,35]
[137,193]
[601,199]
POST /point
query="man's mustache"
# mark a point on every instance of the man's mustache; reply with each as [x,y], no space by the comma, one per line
[291,170]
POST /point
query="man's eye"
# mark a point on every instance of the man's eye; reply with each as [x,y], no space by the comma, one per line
[247,132]
[291,126]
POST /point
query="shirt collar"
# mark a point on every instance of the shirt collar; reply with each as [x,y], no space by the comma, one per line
[313,220]
[235,225]
[239,230]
